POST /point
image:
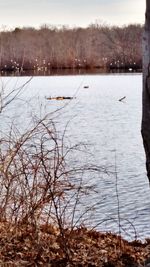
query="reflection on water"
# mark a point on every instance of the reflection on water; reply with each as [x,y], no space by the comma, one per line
[112,131]
[67,71]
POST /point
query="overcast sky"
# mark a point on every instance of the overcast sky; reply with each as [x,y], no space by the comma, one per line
[70,12]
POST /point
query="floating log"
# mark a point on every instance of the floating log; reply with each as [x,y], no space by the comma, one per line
[86,87]
[122,98]
[60,98]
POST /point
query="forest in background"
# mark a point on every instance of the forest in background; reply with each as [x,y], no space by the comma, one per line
[97,46]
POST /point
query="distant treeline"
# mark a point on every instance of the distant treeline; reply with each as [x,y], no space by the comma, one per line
[97,46]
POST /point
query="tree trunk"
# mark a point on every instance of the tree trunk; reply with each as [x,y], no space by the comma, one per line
[146,88]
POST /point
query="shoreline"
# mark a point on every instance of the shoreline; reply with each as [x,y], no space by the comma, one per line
[68,71]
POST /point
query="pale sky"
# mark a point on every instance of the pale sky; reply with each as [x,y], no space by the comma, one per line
[70,12]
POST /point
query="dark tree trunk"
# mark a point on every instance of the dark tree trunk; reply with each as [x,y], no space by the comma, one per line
[146,88]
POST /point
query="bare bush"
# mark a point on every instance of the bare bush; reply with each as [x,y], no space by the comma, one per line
[38,185]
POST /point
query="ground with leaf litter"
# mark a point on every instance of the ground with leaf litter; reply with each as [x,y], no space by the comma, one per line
[47,246]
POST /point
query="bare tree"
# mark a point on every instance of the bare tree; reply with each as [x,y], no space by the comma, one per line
[146,88]
[50,48]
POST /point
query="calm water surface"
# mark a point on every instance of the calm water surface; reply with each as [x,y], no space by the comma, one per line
[111,129]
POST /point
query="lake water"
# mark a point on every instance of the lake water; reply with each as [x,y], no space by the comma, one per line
[110,127]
